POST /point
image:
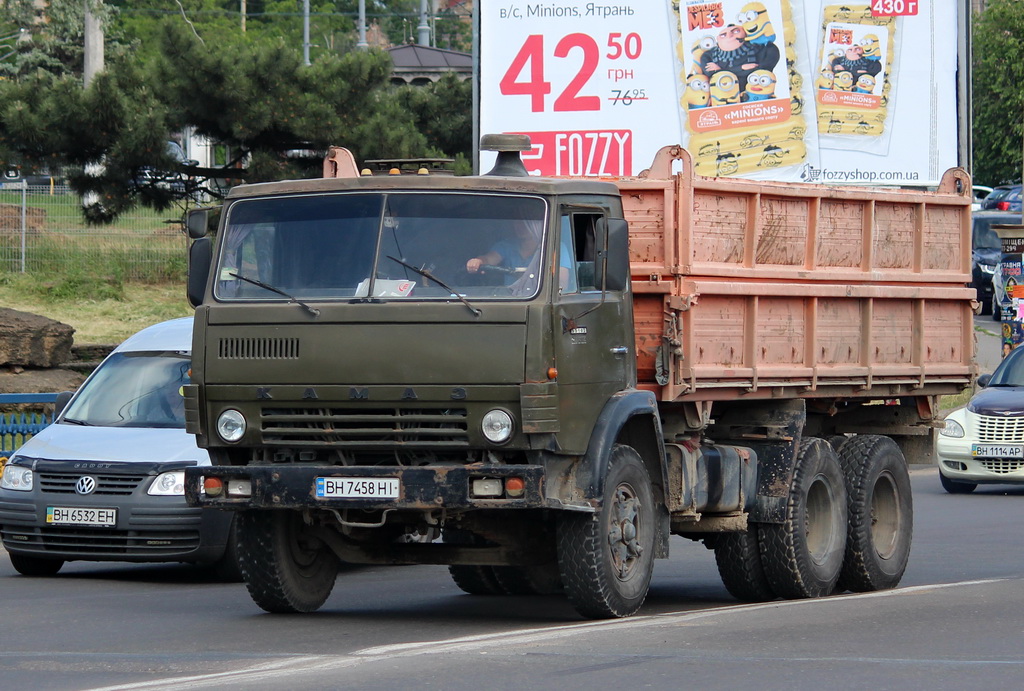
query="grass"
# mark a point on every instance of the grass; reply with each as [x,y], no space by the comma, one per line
[102,311]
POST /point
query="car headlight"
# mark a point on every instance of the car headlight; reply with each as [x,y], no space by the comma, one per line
[231,425]
[16,477]
[951,428]
[497,426]
[168,484]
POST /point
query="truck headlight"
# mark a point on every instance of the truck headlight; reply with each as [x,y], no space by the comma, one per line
[951,428]
[17,478]
[497,426]
[231,425]
[168,484]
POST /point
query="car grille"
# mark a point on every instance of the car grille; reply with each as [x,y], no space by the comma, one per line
[366,428]
[99,542]
[1001,465]
[108,485]
[993,429]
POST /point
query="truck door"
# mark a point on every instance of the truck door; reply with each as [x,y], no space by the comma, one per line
[593,341]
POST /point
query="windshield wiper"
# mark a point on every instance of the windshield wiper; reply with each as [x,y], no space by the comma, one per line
[72,421]
[312,310]
[426,274]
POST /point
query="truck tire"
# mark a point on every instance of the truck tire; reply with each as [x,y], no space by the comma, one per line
[606,558]
[738,556]
[956,487]
[28,565]
[881,514]
[530,580]
[476,580]
[286,569]
[803,556]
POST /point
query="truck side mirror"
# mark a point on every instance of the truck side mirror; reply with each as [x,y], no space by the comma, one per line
[613,262]
[200,256]
[198,221]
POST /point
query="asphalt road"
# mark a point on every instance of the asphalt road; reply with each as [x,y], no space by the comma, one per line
[957,621]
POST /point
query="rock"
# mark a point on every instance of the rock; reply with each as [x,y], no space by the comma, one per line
[40,381]
[31,340]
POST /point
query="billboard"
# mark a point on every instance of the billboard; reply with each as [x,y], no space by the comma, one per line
[791,90]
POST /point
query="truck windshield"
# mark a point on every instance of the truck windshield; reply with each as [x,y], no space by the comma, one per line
[134,390]
[342,246]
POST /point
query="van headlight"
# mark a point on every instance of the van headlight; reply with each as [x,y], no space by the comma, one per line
[231,425]
[168,484]
[16,477]
[497,426]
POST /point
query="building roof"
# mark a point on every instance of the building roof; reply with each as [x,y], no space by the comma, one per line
[414,57]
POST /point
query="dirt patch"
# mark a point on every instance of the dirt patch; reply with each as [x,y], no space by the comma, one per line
[10,219]
[39,380]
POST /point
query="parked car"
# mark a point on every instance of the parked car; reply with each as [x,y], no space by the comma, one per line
[1003,198]
[985,255]
[983,442]
[980,192]
[104,482]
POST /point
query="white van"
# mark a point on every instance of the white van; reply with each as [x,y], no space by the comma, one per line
[105,481]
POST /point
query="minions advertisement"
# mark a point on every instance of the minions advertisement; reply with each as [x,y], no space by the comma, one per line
[789,90]
[742,102]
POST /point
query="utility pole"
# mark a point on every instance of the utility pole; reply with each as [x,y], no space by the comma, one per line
[243,11]
[93,58]
[362,44]
[423,30]
[305,32]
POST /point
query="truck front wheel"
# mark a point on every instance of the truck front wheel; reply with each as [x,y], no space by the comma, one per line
[286,568]
[881,513]
[606,559]
[803,556]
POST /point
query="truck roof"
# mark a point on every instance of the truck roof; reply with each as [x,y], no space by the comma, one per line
[482,183]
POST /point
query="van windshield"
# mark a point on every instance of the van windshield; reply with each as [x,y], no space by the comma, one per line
[343,246]
[133,390]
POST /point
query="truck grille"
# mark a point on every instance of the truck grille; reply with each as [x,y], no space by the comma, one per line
[110,485]
[993,429]
[380,428]
[258,349]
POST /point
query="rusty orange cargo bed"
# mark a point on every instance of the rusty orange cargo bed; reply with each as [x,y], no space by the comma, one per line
[767,289]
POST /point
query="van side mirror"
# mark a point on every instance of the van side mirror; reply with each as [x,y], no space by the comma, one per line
[613,262]
[200,256]
[61,402]
[198,221]
[983,380]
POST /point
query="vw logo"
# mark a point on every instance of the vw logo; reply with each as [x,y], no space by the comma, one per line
[86,484]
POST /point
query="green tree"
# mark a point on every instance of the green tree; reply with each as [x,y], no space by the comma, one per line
[998,134]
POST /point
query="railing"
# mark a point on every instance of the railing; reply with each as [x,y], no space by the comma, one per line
[18,427]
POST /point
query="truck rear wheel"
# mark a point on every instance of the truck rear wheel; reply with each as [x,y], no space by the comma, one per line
[476,580]
[27,565]
[530,580]
[606,559]
[286,568]
[881,513]
[803,556]
[738,556]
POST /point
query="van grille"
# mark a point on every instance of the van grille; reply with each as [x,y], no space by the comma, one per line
[379,428]
[1001,465]
[997,429]
[110,485]
[258,349]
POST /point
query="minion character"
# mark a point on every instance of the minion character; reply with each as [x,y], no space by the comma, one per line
[701,46]
[825,79]
[754,18]
[727,164]
[697,93]
[872,47]
[760,86]
[725,88]
[843,81]
[865,84]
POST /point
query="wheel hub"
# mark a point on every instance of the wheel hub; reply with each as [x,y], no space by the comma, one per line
[623,532]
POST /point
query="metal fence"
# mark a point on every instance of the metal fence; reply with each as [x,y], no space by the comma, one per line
[34,411]
[42,229]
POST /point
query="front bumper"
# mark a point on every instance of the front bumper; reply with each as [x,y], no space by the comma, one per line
[424,488]
[957,463]
[148,529]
